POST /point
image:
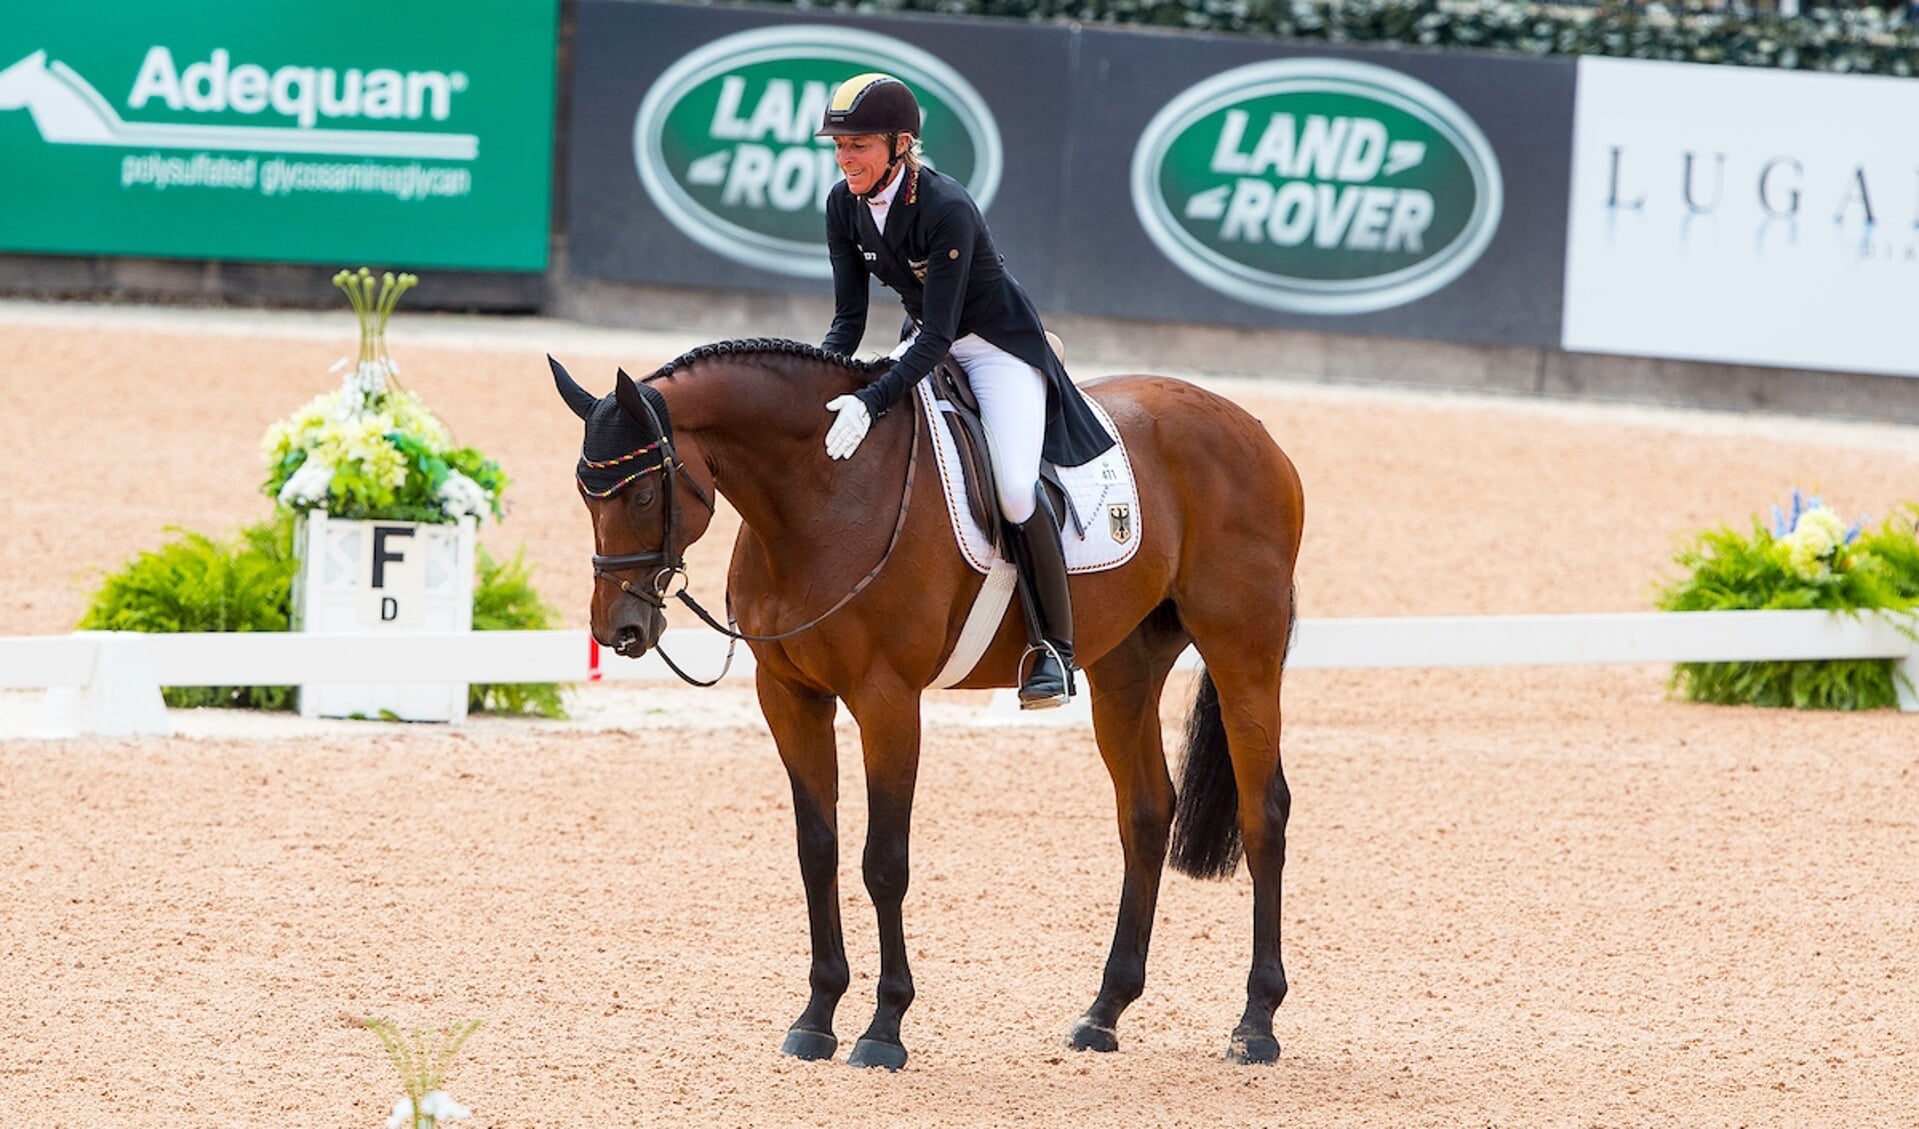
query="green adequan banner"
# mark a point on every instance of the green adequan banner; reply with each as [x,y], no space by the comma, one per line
[416,134]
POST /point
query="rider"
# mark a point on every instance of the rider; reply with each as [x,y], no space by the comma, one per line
[919,232]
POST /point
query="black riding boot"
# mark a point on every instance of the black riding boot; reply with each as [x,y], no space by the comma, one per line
[1041,565]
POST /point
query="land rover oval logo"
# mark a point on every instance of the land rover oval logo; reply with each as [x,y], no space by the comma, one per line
[724,139]
[1317,186]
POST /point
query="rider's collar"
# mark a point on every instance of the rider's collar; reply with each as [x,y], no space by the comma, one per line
[882,197]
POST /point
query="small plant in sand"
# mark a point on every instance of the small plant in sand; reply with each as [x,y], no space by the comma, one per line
[1809,557]
[423,1063]
[371,450]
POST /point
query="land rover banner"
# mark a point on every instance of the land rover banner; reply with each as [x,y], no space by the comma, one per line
[693,157]
[1317,185]
[352,131]
[1305,186]
[1124,173]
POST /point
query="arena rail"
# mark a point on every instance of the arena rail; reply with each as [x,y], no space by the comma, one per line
[108,683]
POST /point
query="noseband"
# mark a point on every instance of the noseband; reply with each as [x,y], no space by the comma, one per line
[668,561]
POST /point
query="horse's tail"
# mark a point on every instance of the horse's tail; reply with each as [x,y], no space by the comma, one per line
[1206,840]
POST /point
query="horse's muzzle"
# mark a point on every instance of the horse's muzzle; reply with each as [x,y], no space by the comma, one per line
[635,630]
[627,642]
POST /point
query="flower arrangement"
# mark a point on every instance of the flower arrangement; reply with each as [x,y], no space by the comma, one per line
[1809,557]
[423,1067]
[371,450]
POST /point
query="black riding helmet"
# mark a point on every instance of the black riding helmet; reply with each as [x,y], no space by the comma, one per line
[871,103]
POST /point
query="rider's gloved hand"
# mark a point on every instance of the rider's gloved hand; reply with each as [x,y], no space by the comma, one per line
[843,438]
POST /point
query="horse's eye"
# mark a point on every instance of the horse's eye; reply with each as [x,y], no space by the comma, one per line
[645,493]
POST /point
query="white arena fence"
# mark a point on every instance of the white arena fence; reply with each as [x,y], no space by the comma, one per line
[108,683]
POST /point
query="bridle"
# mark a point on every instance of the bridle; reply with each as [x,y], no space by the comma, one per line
[669,560]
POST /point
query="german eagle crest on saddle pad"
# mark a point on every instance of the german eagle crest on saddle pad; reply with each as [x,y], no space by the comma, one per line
[1102,500]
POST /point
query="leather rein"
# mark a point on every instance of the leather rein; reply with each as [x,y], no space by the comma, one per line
[669,560]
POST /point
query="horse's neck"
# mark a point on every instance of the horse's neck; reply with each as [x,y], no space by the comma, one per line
[761,430]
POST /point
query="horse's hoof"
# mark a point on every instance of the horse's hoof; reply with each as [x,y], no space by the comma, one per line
[1252,1049]
[874,1053]
[812,1046]
[1090,1036]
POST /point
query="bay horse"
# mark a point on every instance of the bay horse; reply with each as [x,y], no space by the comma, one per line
[848,584]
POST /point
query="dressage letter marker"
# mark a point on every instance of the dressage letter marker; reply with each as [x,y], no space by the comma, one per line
[395,578]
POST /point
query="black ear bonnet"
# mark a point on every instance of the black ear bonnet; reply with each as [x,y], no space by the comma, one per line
[618,449]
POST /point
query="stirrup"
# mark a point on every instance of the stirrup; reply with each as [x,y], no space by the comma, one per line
[1045,697]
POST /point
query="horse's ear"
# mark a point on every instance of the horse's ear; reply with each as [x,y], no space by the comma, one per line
[628,394]
[579,399]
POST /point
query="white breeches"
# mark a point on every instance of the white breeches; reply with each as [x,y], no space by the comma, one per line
[1012,405]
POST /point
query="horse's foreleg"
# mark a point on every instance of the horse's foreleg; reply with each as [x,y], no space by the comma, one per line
[1126,686]
[892,746]
[802,724]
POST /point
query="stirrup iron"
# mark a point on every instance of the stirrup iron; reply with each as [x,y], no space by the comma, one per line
[1043,688]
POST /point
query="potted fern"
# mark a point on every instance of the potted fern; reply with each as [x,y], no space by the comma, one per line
[1807,557]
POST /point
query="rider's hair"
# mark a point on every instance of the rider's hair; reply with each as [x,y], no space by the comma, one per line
[915,152]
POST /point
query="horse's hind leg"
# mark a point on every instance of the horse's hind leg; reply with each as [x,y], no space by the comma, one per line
[1126,685]
[1244,657]
[802,724]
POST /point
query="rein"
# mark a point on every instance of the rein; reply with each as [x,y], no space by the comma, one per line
[672,562]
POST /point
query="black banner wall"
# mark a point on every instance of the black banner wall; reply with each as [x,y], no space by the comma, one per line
[1124,173]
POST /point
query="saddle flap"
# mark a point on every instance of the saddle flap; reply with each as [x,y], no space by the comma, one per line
[1099,514]
[950,384]
[960,408]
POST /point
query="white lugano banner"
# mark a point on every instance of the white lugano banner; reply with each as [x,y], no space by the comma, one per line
[1744,215]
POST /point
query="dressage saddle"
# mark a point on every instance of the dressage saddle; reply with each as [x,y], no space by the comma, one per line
[960,409]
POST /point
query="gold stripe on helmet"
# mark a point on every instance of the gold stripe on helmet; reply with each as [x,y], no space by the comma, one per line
[848,92]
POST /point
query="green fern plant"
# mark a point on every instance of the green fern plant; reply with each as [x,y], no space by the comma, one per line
[504,599]
[197,583]
[1807,559]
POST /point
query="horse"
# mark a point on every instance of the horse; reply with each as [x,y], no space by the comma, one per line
[847,583]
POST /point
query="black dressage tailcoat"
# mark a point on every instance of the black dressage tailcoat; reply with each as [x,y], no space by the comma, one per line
[937,253]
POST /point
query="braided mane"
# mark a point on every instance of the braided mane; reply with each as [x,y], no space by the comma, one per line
[776,346]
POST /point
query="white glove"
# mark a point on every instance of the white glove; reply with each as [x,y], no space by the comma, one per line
[843,438]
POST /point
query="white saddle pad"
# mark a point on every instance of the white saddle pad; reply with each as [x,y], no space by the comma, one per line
[1103,523]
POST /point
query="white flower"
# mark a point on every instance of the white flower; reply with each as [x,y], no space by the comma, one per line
[436,1104]
[307,487]
[439,1105]
[1814,541]
[460,496]
[367,380]
[1827,530]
